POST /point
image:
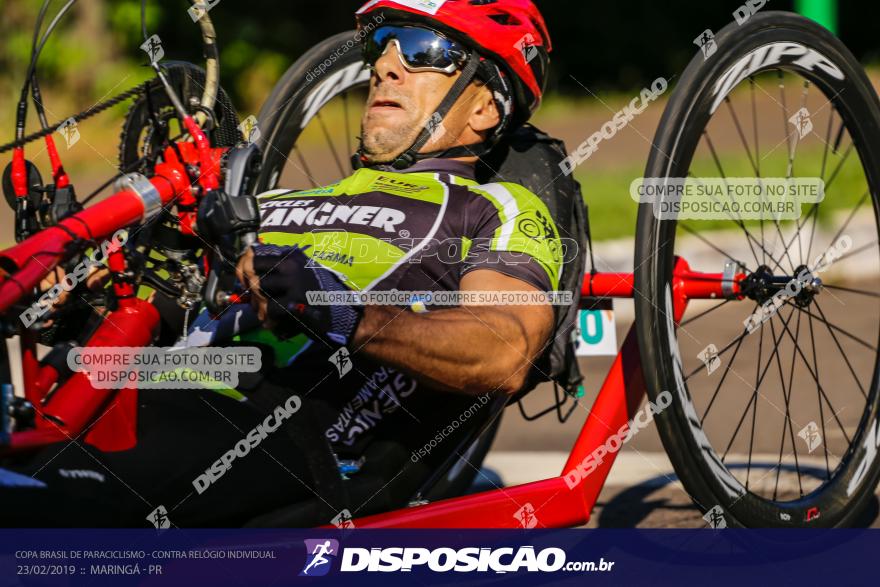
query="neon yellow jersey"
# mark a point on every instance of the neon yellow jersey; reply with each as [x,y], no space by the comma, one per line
[417,231]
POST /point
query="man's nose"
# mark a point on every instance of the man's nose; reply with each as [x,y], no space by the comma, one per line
[388,66]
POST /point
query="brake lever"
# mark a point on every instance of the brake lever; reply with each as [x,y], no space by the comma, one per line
[222,288]
[235,212]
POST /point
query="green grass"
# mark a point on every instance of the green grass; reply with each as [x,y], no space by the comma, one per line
[613,212]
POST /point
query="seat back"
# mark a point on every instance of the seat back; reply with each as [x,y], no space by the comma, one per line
[531,158]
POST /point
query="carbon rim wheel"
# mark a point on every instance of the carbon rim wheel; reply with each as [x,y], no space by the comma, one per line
[310,123]
[781,429]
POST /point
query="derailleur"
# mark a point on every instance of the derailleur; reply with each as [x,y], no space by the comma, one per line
[188,279]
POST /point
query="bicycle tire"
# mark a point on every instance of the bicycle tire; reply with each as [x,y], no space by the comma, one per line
[322,73]
[707,479]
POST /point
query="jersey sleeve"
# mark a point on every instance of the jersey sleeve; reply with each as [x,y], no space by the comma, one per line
[511,231]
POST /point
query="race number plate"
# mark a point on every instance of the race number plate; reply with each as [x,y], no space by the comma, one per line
[597,335]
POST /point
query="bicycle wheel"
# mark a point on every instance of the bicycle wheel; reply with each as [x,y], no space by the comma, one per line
[782,428]
[310,122]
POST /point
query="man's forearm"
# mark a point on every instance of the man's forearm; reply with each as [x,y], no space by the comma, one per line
[477,349]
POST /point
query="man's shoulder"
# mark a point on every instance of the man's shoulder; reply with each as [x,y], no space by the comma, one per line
[509,198]
[517,221]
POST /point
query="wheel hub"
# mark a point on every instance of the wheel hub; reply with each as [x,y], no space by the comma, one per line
[801,287]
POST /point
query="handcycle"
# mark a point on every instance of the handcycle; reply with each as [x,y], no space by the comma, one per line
[772,50]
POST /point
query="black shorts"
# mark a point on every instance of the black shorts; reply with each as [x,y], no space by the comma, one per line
[180,435]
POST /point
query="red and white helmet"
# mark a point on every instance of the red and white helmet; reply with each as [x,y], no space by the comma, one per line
[511,33]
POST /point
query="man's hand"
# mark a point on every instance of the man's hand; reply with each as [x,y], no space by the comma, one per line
[280,280]
[97,279]
[245,274]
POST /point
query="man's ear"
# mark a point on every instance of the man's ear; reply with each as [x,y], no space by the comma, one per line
[484,112]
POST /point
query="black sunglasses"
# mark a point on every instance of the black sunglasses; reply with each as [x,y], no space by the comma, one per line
[420,49]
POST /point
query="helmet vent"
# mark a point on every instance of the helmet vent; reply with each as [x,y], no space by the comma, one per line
[505,19]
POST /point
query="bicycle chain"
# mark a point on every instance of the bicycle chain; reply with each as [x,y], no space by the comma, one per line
[88,113]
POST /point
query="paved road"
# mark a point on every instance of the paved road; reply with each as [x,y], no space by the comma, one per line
[642,489]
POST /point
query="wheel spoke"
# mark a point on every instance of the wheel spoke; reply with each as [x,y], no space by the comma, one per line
[690,230]
[842,354]
[786,396]
[818,385]
[840,164]
[834,326]
[792,146]
[727,369]
[348,148]
[757,151]
[849,218]
[814,211]
[760,379]
[331,145]
[862,292]
[738,218]
[791,166]
[755,409]
[855,252]
[749,237]
[742,136]
[703,313]
[305,166]
[821,407]
[727,347]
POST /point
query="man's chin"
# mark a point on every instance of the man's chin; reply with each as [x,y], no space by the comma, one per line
[380,158]
[379,150]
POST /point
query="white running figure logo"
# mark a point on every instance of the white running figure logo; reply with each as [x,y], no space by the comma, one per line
[319,559]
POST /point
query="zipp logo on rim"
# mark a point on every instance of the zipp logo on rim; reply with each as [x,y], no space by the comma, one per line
[781,53]
[332,87]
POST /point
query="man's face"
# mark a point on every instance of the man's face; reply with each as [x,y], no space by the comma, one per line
[401,103]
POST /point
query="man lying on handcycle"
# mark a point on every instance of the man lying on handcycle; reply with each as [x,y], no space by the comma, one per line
[446,84]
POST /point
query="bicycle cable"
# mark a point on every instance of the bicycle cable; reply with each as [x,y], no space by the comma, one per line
[85,114]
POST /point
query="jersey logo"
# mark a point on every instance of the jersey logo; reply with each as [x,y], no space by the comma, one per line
[383,183]
[304,213]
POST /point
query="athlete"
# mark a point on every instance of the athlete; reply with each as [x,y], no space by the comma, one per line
[448,79]
[444,87]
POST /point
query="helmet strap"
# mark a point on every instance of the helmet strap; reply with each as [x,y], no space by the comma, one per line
[412,155]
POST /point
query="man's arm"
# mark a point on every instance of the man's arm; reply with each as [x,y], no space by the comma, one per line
[472,349]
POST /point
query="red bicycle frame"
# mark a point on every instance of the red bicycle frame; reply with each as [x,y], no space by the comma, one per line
[621,394]
[107,418]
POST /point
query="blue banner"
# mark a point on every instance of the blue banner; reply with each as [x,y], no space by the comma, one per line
[437,557]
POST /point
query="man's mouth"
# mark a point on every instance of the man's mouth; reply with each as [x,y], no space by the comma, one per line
[385,105]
